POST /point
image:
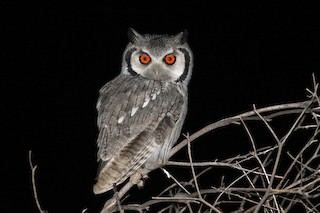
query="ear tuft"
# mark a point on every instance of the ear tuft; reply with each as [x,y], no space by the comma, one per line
[134,36]
[182,37]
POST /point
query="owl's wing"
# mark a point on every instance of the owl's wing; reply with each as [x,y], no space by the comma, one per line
[132,107]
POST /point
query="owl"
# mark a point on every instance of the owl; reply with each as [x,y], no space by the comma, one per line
[142,110]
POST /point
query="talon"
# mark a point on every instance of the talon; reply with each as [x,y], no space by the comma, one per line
[138,178]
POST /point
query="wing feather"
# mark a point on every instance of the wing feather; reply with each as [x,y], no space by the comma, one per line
[116,102]
[124,146]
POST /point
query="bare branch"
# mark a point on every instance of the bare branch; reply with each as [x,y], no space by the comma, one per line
[254,181]
[192,168]
[34,186]
[299,106]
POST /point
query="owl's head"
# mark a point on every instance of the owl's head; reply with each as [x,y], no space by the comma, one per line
[158,57]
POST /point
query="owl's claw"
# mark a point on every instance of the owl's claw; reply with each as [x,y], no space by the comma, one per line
[138,178]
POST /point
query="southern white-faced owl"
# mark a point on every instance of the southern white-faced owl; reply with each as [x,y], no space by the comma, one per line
[142,110]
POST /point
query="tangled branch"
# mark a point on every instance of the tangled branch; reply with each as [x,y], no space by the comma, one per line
[261,180]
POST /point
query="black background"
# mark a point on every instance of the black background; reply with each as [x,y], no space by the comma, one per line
[57,56]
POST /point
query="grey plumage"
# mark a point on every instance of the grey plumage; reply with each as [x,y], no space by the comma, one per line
[141,111]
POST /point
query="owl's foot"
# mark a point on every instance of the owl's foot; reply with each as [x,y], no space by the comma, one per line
[138,178]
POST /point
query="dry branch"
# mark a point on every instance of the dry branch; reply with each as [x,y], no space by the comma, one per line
[34,186]
[266,188]
[260,180]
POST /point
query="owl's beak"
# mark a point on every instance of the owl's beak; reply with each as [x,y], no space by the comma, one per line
[157,72]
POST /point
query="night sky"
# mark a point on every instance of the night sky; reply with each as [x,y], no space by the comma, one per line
[56,57]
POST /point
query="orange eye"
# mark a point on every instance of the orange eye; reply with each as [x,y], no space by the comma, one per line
[144,58]
[170,59]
